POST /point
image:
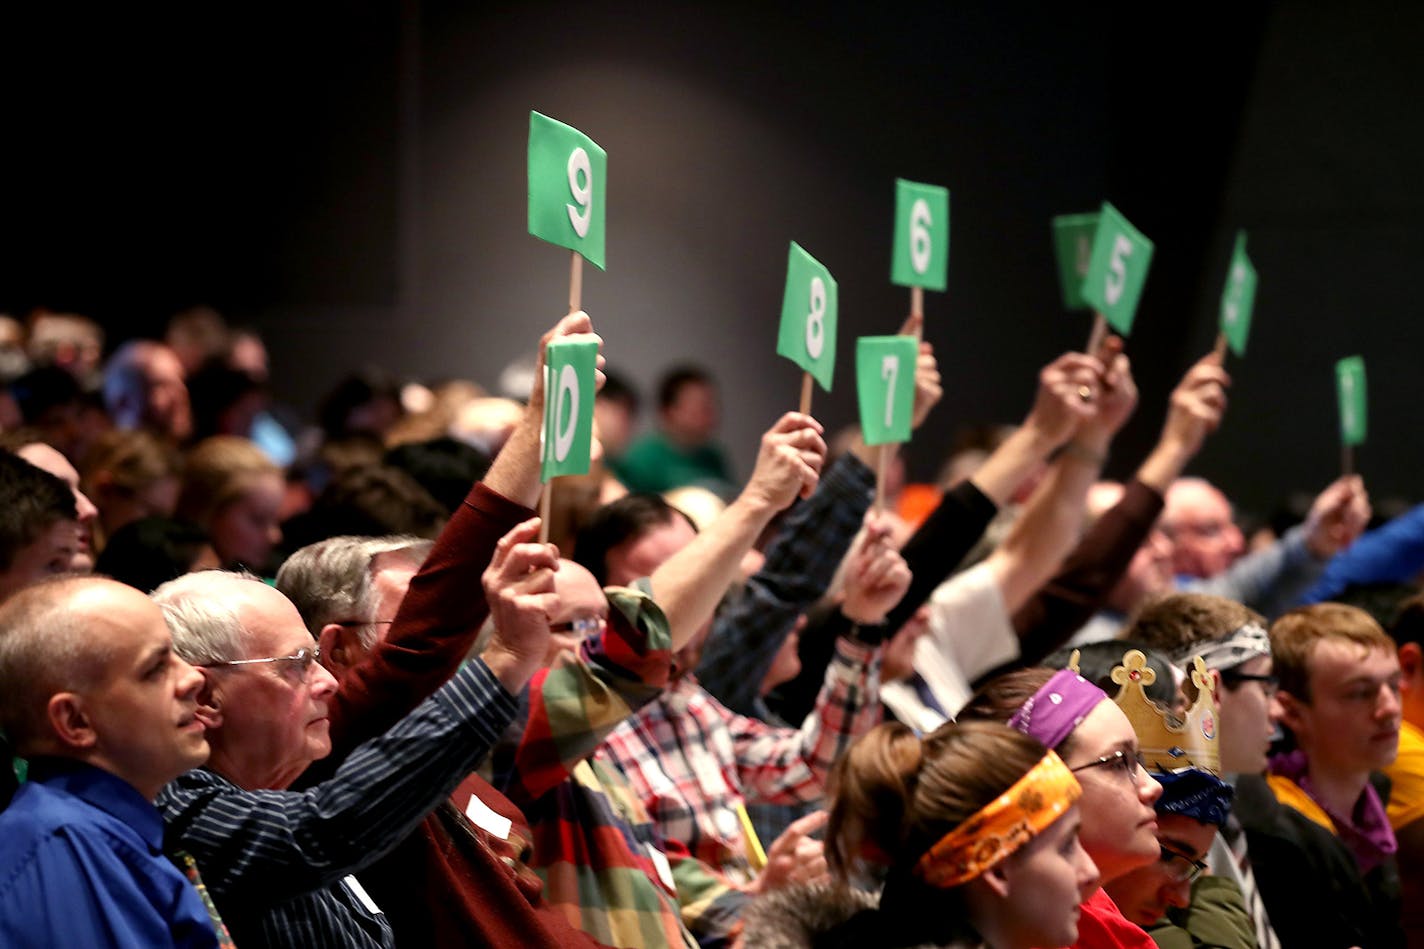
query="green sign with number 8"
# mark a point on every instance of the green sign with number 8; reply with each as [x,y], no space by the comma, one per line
[885,386]
[568,181]
[808,317]
[921,246]
[1117,269]
[570,368]
[1350,386]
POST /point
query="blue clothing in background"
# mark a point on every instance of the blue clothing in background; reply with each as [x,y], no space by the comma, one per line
[82,864]
[1393,553]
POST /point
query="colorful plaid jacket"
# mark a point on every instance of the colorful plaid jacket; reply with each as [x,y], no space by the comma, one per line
[694,764]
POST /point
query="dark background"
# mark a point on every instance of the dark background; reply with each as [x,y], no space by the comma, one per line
[349,179]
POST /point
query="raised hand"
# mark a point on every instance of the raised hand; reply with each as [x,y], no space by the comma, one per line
[519,586]
[789,462]
[795,857]
[1067,396]
[1338,516]
[876,575]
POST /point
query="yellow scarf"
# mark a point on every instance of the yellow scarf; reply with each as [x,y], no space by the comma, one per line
[1290,794]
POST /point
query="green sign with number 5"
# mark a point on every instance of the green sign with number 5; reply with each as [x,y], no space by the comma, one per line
[568,181]
[808,317]
[1117,269]
[885,386]
[921,246]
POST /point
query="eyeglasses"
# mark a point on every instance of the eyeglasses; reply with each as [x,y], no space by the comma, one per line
[1126,762]
[581,626]
[302,660]
[1269,683]
[1180,867]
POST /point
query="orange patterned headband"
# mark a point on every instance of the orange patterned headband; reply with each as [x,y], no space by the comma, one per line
[1011,820]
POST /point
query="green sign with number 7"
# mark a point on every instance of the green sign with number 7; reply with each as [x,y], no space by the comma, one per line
[570,367]
[885,386]
[1117,269]
[921,246]
[568,181]
[807,335]
[1350,386]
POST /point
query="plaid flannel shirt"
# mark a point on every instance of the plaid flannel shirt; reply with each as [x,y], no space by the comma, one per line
[694,763]
[601,859]
[800,564]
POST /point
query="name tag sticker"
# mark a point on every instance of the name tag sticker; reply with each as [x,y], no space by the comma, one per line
[487,818]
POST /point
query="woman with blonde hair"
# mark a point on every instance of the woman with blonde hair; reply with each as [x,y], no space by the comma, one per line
[978,827]
[233,491]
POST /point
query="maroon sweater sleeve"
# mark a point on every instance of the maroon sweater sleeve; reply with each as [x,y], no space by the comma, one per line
[1094,567]
[434,629]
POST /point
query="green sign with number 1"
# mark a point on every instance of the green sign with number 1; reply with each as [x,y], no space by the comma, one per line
[921,246]
[568,181]
[885,386]
[1350,386]
[808,317]
[570,367]
[1117,269]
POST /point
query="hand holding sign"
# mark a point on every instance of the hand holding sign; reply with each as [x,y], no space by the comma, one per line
[1073,247]
[1117,269]
[808,317]
[1237,298]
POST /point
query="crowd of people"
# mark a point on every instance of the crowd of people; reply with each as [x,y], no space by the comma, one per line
[267,683]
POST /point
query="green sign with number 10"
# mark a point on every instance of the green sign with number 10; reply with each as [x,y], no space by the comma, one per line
[568,182]
[885,386]
[570,370]
[921,246]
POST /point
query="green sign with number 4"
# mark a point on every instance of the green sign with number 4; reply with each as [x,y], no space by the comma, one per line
[1238,297]
[1073,246]
[568,181]
[1117,269]
[885,386]
[1350,386]
[921,246]
[570,365]
[808,317]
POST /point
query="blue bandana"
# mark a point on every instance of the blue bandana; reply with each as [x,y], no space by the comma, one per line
[1196,794]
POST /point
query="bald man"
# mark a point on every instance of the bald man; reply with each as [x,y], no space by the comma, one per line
[93,696]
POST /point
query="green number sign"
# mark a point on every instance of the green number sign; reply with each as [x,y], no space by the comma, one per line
[921,247]
[1238,297]
[808,317]
[1117,269]
[1350,386]
[1073,246]
[569,368]
[885,386]
[568,178]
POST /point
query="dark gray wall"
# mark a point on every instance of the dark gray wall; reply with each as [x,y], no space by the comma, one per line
[352,182]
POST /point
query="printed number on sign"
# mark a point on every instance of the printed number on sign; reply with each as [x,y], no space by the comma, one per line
[583,194]
[920,235]
[565,423]
[1117,267]
[815,327]
[889,370]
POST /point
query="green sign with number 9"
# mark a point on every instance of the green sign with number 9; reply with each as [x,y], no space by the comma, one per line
[885,386]
[568,180]
[808,317]
[921,247]
[1117,269]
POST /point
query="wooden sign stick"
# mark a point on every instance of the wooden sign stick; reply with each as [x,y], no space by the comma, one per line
[1347,459]
[576,283]
[882,463]
[1220,351]
[1099,333]
[806,383]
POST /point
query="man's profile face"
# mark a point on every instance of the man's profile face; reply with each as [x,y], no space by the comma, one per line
[1351,722]
[1144,894]
[46,458]
[641,555]
[1248,719]
[274,715]
[582,610]
[144,707]
[694,413]
[1205,538]
[52,552]
[166,407]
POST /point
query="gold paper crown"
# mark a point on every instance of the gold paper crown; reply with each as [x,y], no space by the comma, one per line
[1168,743]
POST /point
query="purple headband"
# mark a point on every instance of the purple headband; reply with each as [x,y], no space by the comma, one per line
[1057,708]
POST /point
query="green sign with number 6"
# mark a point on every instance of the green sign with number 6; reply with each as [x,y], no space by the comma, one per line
[568,180]
[1117,269]
[570,366]
[808,317]
[885,386]
[1350,386]
[921,246]
[1073,246]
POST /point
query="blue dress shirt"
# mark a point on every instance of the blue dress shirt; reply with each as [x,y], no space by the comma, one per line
[82,864]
